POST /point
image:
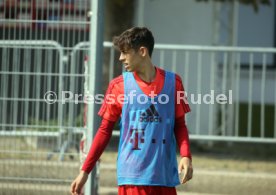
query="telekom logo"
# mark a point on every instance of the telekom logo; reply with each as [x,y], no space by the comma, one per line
[137,135]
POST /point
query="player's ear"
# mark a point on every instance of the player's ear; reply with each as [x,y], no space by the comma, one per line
[143,51]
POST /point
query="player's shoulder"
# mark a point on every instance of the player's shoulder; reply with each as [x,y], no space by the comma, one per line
[178,78]
[116,82]
[161,71]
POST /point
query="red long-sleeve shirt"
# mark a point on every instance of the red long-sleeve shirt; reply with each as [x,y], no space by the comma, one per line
[111,112]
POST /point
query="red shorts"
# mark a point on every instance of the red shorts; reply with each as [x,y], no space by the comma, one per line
[146,190]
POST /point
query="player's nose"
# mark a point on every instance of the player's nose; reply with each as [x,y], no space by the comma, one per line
[122,57]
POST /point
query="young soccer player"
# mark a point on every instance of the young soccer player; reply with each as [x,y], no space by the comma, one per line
[152,123]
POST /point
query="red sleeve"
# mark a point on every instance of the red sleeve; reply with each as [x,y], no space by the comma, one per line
[100,141]
[111,108]
[181,103]
[182,137]
[181,108]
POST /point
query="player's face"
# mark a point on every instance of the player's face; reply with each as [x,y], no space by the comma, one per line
[131,60]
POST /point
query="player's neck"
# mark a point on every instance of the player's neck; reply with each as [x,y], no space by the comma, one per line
[147,72]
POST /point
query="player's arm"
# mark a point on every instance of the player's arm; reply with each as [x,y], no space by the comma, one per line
[182,138]
[99,144]
[110,111]
[180,128]
[181,131]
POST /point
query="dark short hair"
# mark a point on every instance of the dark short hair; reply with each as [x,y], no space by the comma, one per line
[134,38]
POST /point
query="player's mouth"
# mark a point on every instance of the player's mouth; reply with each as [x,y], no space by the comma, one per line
[127,66]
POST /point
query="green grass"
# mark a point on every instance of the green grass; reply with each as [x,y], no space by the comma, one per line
[256,120]
[255,131]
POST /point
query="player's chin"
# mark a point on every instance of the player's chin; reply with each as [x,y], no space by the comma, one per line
[129,69]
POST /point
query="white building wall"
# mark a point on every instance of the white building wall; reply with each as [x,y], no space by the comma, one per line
[256,29]
[178,21]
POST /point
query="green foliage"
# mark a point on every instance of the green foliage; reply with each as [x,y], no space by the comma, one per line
[51,125]
[121,3]
[256,120]
[46,125]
